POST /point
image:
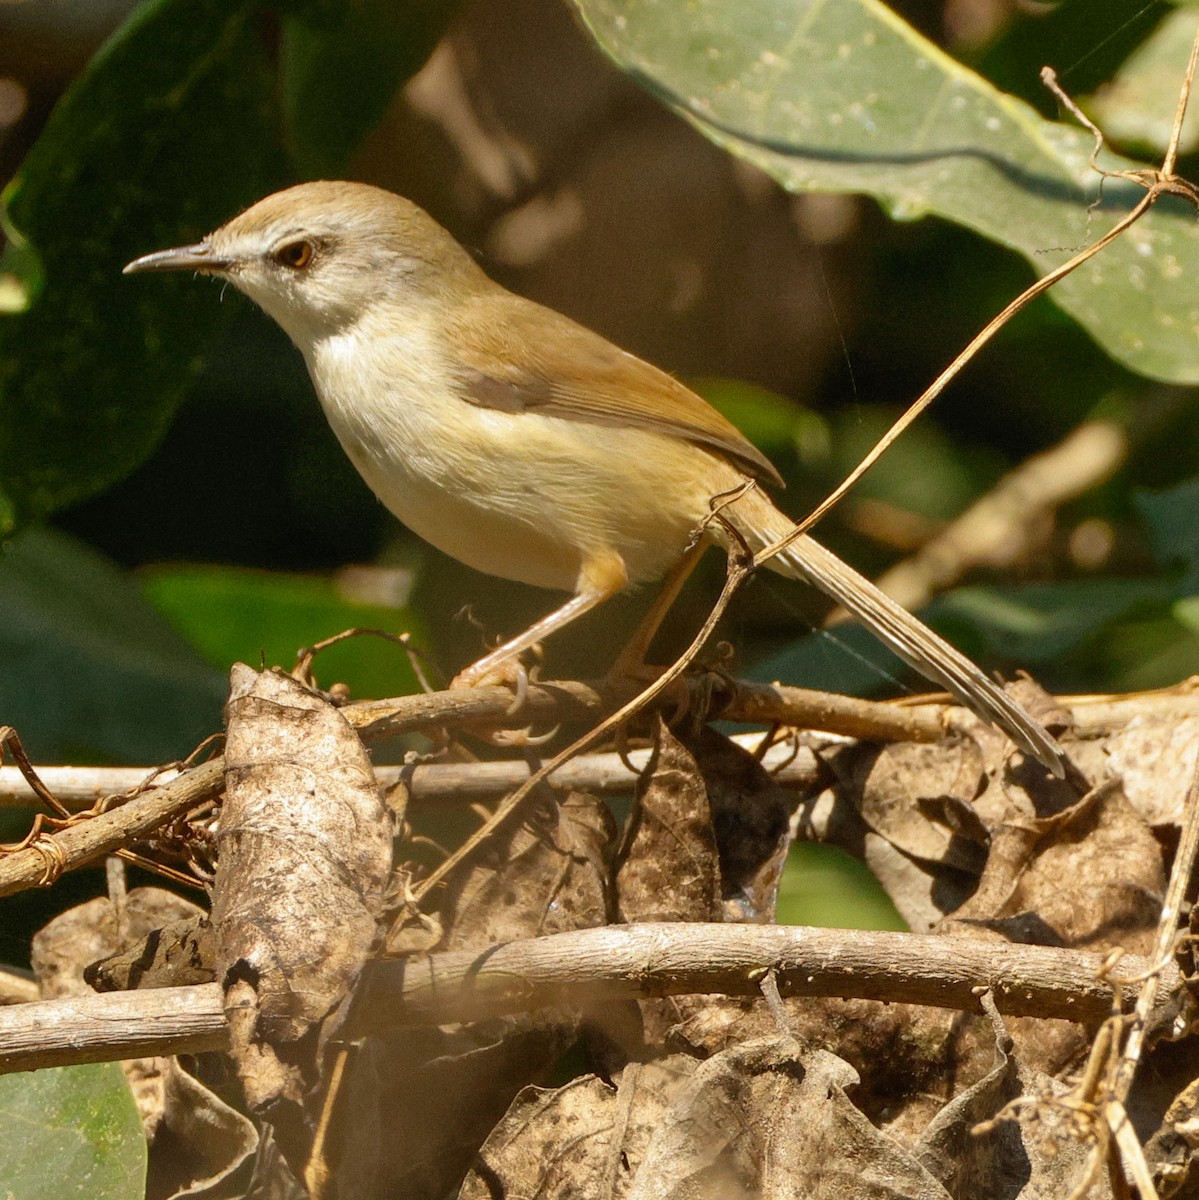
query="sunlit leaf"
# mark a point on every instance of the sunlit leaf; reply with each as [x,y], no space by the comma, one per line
[847,97]
[1137,106]
[826,887]
[71,1133]
[236,615]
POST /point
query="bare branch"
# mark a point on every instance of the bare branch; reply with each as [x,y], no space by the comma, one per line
[107,1028]
[431,783]
[42,862]
[88,840]
[598,965]
[587,967]
[921,719]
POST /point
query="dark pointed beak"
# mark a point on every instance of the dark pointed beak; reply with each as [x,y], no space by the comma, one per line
[199,257]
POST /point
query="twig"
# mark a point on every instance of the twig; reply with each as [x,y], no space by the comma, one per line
[376,720]
[110,1027]
[599,965]
[442,783]
[514,803]
[108,832]
[1112,1103]
[920,719]
[596,966]
[1098,714]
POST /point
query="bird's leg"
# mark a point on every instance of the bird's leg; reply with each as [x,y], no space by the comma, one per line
[601,578]
[630,662]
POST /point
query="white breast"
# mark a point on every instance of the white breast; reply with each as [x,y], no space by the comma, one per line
[522,496]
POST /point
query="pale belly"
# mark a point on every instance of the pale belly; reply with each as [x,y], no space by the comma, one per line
[534,498]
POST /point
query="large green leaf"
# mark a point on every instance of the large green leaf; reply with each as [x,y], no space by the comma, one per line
[174,127]
[341,62]
[1037,624]
[846,97]
[237,615]
[90,670]
[1137,106]
[1033,626]
[826,887]
[169,131]
[72,1133]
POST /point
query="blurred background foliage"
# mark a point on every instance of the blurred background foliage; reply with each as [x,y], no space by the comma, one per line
[172,501]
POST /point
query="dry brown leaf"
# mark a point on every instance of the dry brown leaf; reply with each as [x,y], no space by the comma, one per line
[1173,1150]
[304,851]
[550,1144]
[421,1104]
[1088,876]
[907,811]
[668,864]
[904,788]
[757,1120]
[899,1051]
[993,1164]
[751,818]
[547,876]
[1154,757]
[204,1150]
[63,950]
[179,953]
[198,1146]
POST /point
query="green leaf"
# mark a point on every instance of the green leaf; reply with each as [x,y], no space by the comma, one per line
[71,1132]
[846,97]
[90,670]
[1137,106]
[1151,650]
[828,888]
[1013,61]
[924,472]
[1039,623]
[1032,626]
[1172,519]
[341,62]
[772,422]
[237,615]
[169,132]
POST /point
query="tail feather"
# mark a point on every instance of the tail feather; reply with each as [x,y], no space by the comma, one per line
[906,635]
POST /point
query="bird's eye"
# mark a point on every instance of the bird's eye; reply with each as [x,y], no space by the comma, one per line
[296,255]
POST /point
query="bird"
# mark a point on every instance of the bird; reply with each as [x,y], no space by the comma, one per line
[518,441]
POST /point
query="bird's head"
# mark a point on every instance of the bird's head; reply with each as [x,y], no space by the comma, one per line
[318,256]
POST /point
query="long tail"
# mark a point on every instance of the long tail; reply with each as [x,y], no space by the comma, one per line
[922,649]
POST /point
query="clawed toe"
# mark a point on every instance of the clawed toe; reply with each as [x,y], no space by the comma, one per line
[509,673]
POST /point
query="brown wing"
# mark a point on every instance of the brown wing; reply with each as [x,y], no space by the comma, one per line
[567,371]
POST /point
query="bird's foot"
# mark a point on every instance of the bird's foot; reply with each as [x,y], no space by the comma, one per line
[510,672]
